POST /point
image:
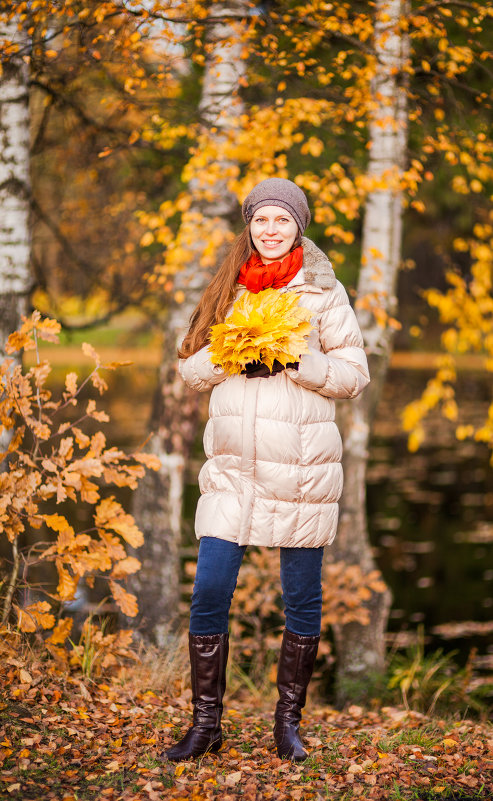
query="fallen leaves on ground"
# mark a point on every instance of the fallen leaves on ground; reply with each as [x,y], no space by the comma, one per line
[69,739]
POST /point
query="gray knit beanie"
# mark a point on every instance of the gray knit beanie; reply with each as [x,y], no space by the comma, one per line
[278,192]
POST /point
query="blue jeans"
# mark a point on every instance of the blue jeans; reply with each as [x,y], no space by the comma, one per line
[215,581]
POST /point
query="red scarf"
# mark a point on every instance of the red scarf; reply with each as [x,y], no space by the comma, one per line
[256,275]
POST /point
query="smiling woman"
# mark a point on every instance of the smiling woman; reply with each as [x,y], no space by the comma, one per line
[273,474]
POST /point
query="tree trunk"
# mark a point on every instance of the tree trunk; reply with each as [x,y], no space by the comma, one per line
[15,275]
[361,649]
[158,501]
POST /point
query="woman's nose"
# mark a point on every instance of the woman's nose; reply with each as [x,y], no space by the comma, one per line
[271,227]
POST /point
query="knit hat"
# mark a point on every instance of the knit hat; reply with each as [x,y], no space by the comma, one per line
[278,192]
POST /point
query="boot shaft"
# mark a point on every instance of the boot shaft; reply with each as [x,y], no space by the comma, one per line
[208,660]
[295,669]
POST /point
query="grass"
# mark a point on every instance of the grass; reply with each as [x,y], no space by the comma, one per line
[425,737]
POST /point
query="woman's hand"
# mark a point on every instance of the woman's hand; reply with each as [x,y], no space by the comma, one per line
[258,369]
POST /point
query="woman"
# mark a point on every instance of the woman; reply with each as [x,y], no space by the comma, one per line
[273,475]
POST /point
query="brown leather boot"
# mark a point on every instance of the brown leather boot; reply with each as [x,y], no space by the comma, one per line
[293,675]
[208,659]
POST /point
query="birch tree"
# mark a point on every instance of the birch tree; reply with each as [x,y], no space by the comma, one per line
[15,277]
[200,241]
[361,648]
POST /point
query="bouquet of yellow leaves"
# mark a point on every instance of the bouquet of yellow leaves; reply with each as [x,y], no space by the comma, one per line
[265,326]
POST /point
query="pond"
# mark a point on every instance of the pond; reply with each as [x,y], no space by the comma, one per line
[431,519]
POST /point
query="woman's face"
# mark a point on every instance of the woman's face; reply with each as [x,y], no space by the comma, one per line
[273,231]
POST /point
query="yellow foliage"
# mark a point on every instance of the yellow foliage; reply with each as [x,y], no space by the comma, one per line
[125,600]
[110,515]
[67,584]
[51,460]
[88,350]
[463,432]
[265,326]
[59,523]
[125,567]
[73,307]
[61,631]
[31,329]
[150,460]
[345,590]
[467,310]
[34,616]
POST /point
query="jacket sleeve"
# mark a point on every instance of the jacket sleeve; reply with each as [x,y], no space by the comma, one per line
[198,371]
[340,369]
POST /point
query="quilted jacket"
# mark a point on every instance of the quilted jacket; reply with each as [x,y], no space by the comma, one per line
[273,474]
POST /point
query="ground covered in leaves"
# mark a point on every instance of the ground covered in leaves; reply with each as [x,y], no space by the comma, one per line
[66,738]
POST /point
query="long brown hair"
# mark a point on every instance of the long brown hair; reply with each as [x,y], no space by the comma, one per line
[218,296]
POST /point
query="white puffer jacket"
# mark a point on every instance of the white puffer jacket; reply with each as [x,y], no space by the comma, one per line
[273,474]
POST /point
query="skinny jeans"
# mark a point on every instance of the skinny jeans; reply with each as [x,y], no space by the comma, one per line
[218,565]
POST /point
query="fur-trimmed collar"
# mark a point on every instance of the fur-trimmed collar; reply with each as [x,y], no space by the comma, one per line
[317,268]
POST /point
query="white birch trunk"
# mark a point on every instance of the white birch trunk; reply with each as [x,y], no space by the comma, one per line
[159,499]
[15,276]
[361,649]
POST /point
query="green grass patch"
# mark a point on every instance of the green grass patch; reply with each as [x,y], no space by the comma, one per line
[425,737]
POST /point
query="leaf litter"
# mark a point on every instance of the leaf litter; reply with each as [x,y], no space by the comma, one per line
[67,738]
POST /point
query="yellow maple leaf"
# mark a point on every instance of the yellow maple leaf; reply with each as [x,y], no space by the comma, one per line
[262,326]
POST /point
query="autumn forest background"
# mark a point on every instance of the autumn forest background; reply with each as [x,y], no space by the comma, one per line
[130,132]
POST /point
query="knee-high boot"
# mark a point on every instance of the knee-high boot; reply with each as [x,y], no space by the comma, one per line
[294,673]
[208,659]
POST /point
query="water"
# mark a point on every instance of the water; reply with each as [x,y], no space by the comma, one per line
[431,519]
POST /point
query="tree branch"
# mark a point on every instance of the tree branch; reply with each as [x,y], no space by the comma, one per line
[65,101]
[12,583]
[55,230]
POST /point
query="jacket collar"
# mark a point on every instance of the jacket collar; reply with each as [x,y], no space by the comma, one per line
[317,269]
